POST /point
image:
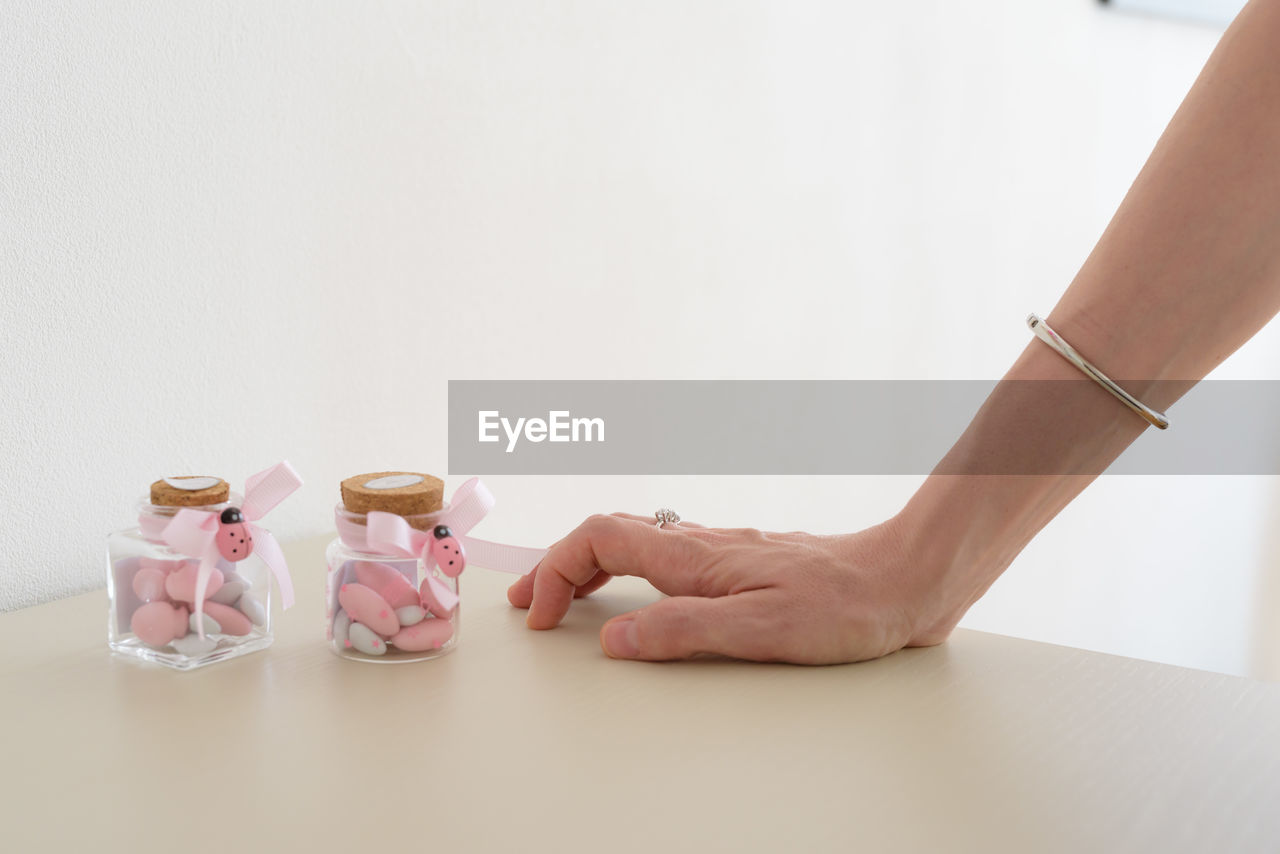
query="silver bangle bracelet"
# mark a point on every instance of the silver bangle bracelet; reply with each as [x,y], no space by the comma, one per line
[1046,334]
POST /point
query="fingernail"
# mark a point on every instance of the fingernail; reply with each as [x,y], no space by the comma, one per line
[620,639]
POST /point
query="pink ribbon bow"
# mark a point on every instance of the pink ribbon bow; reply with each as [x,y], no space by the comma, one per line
[194,532]
[388,533]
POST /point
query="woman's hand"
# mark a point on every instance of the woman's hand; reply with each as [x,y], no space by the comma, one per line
[740,592]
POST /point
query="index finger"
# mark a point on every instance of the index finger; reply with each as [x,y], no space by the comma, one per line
[616,546]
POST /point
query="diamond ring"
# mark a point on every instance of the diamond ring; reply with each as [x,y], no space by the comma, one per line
[666,517]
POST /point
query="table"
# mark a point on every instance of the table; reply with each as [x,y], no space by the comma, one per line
[521,741]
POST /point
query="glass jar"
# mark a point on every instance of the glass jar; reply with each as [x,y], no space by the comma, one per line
[385,605]
[151,586]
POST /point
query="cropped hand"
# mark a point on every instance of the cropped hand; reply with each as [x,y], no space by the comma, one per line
[739,592]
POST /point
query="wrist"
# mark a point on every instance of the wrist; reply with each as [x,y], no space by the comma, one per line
[959,533]
[1041,437]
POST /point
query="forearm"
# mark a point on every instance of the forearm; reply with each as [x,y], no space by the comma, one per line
[1186,272]
[1189,267]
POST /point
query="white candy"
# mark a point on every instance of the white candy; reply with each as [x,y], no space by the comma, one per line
[230,575]
[192,646]
[366,639]
[211,626]
[229,592]
[252,609]
[410,615]
[341,623]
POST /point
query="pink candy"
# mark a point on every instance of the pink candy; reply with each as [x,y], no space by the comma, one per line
[181,585]
[436,597]
[367,607]
[367,623]
[387,582]
[161,621]
[429,634]
[380,612]
[232,621]
[148,584]
[157,623]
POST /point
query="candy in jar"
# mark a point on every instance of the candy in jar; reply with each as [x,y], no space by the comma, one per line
[392,591]
[191,583]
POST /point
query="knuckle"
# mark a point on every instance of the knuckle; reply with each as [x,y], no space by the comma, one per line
[601,530]
[597,524]
[704,583]
[699,558]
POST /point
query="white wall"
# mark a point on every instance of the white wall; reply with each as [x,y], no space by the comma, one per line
[236,232]
[1216,12]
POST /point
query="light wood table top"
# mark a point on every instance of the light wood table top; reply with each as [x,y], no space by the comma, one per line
[521,741]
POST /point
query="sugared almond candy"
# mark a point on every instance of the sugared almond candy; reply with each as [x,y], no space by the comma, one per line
[229,592]
[410,615]
[252,609]
[364,640]
[230,575]
[431,598]
[341,625]
[191,645]
[429,634]
[366,606]
[387,582]
[231,620]
[148,584]
[157,623]
[211,626]
[166,566]
[181,585]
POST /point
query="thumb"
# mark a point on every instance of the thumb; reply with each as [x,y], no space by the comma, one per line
[738,625]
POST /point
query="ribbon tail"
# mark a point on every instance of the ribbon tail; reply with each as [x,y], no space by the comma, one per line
[192,533]
[266,547]
[208,562]
[268,488]
[471,502]
[517,560]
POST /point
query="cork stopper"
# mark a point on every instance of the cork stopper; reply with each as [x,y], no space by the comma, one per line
[189,491]
[405,493]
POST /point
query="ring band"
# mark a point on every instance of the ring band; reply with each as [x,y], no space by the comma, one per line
[665,516]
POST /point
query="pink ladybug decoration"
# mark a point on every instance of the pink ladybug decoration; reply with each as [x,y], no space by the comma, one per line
[447,551]
[235,542]
[234,534]
[448,548]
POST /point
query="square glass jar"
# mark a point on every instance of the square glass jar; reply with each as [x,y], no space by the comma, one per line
[150,592]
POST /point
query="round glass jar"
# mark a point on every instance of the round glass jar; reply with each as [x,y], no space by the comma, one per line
[150,592]
[385,605]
